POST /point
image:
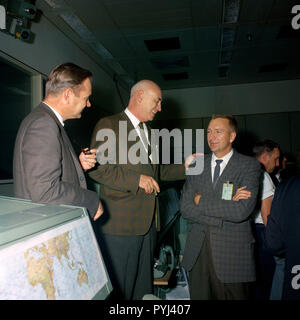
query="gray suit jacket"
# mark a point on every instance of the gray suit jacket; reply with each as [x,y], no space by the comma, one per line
[226,221]
[45,167]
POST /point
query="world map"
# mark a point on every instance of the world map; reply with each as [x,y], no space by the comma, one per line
[63,263]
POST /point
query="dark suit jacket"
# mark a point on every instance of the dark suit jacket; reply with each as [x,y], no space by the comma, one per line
[45,166]
[226,221]
[283,233]
[128,210]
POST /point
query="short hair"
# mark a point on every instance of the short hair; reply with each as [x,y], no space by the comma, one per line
[264,146]
[232,121]
[66,75]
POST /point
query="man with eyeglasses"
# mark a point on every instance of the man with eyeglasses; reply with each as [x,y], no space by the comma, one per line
[128,192]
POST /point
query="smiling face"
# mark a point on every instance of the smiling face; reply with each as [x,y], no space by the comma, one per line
[145,100]
[151,103]
[220,136]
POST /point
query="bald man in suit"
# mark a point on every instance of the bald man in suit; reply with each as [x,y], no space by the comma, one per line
[128,192]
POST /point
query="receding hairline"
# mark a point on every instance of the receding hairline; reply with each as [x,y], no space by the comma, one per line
[231,120]
[143,85]
[66,75]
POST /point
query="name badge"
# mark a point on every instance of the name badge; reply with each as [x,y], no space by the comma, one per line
[227,191]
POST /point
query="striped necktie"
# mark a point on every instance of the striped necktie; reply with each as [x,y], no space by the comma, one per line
[144,139]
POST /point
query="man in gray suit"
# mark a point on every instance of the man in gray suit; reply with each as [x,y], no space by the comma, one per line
[219,248]
[45,167]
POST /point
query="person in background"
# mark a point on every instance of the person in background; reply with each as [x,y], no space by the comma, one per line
[267,153]
[278,174]
[45,166]
[283,236]
[298,162]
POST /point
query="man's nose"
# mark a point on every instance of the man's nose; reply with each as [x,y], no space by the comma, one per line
[88,104]
[211,136]
[159,106]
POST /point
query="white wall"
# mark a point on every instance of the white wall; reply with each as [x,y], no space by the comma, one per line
[263,97]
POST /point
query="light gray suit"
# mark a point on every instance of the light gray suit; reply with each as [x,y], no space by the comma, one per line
[225,221]
[46,168]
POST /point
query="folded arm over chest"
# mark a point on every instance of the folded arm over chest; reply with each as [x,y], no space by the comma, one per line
[212,210]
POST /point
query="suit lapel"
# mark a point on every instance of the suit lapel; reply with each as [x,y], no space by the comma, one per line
[148,167]
[230,165]
[67,144]
[226,172]
[75,159]
[153,146]
[130,127]
[207,170]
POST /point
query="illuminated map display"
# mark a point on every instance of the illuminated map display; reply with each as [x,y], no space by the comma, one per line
[61,263]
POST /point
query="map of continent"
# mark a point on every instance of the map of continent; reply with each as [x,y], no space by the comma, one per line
[61,264]
[40,270]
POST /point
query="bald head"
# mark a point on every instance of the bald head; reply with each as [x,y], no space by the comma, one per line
[145,100]
[143,85]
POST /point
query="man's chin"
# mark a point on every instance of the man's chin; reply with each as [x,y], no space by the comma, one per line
[153,116]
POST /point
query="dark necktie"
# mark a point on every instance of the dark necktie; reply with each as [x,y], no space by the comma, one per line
[217,172]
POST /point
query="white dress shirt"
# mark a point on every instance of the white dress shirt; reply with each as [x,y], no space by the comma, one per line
[135,122]
[223,164]
[267,189]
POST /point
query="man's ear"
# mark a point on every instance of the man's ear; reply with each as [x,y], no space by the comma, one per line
[232,136]
[140,96]
[67,95]
[265,157]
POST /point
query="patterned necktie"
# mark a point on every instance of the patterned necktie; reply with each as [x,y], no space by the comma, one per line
[217,172]
[144,138]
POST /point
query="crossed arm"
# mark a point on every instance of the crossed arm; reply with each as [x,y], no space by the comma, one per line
[214,210]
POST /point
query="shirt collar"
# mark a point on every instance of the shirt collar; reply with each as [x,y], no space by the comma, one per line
[134,120]
[225,159]
[59,117]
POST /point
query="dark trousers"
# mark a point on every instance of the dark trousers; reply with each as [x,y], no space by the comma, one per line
[205,285]
[265,264]
[129,262]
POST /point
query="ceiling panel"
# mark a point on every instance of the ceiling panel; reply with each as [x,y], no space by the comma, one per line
[261,36]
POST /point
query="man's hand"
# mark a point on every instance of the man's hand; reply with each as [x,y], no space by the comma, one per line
[191,158]
[87,160]
[241,193]
[99,212]
[148,184]
[197,197]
